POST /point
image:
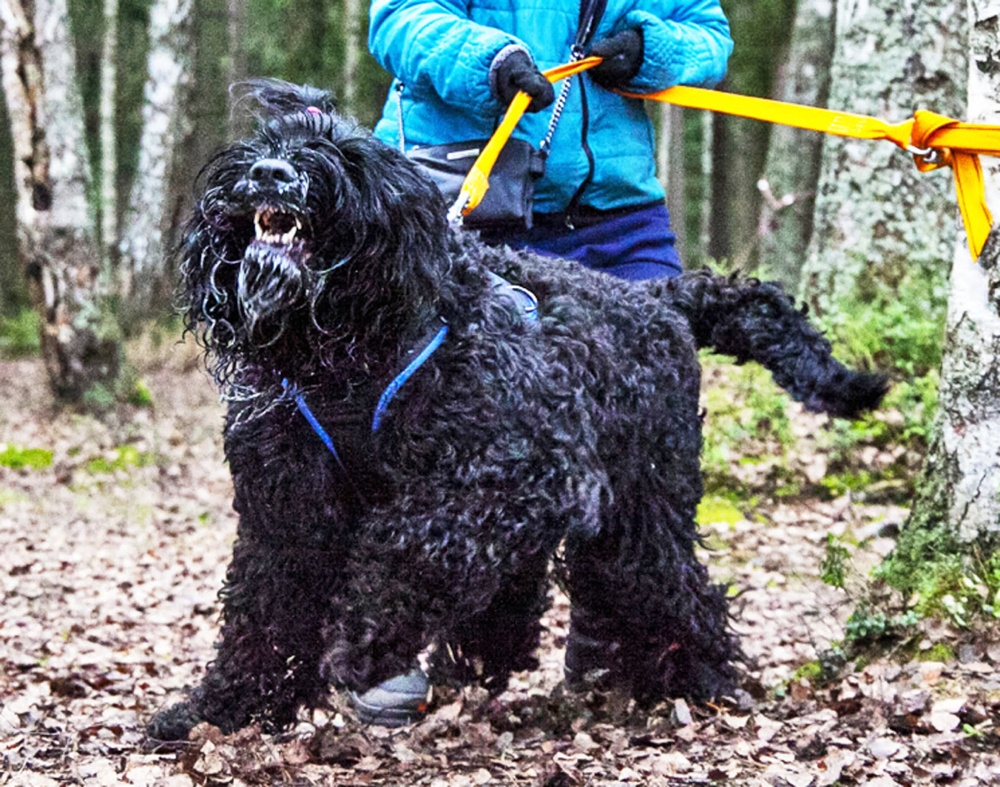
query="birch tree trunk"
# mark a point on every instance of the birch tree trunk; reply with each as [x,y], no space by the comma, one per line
[961,480]
[55,227]
[877,218]
[791,172]
[670,169]
[109,150]
[149,217]
[353,18]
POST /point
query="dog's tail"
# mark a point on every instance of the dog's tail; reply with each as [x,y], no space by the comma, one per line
[757,321]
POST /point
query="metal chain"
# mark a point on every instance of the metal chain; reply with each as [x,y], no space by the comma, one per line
[399,116]
[557,109]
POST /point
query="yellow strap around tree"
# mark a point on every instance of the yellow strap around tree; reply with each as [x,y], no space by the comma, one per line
[934,140]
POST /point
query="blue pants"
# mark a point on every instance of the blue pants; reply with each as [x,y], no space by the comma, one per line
[634,245]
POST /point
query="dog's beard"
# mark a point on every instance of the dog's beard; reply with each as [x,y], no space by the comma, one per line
[272,286]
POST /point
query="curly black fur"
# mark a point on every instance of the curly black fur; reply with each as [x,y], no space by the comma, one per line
[320,256]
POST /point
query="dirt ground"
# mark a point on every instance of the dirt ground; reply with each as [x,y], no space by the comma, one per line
[111,557]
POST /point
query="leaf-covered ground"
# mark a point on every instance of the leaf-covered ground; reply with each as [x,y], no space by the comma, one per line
[114,538]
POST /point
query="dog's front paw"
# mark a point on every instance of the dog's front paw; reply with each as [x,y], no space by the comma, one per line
[173,724]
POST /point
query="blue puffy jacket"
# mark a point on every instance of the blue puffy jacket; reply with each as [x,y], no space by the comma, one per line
[441,51]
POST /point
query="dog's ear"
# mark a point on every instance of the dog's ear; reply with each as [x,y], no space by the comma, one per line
[396,215]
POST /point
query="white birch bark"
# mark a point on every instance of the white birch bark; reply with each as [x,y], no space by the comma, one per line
[55,226]
[670,169]
[109,149]
[963,468]
[876,215]
[353,11]
[143,246]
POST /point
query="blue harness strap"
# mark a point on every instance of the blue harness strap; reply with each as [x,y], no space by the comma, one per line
[524,304]
[317,427]
[392,388]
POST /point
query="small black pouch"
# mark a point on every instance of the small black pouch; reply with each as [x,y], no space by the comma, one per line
[508,201]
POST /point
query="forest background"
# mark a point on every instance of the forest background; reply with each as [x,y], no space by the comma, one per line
[111,106]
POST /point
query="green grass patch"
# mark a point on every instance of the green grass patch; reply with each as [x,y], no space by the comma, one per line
[811,671]
[8,496]
[140,395]
[714,509]
[124,458]
[20,335]
[937,652]
[833,568]
[871,626]
[941,577]
[18,458]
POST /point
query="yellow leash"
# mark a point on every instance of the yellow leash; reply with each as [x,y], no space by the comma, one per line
[478,180]
[934,140]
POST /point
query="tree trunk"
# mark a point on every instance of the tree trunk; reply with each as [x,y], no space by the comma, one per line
[962,472]
[879,220]
[236,69]
[109,151]
[145,239]
[791,173]
[56,236]
[670,167]
[353,22]
[739,145]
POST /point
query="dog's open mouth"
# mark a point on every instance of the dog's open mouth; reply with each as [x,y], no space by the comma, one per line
[275,226]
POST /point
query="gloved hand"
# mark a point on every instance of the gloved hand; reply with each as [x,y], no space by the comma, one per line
[622,55]
[516,72]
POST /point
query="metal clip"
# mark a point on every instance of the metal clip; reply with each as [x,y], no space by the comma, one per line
[929,155]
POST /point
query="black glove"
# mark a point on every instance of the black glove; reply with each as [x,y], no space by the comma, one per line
[516,72]
[622,55]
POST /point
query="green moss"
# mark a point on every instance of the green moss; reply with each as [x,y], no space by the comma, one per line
[839,484]
[717,509]
[20,335]
[25,458]
[937,652]
[140,395]
[125,457]
[811,671]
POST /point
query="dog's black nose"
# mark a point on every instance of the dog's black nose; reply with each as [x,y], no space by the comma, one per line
[273,170]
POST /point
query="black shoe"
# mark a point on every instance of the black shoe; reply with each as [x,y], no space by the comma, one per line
[395,702]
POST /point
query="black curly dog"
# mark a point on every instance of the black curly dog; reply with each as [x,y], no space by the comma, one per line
[381,513]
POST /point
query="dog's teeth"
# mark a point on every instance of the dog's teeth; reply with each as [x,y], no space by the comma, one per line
[259,230]
[289,236]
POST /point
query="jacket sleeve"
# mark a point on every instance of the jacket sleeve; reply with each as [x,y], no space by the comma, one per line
[690,46]
[433,46]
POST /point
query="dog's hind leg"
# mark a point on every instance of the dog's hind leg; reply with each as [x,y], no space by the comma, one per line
[646,618]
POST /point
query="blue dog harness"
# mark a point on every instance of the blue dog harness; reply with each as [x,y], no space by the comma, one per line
[522,301]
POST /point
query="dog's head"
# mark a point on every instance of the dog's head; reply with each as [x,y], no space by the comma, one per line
[310,233]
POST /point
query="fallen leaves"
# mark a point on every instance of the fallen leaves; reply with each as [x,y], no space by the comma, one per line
[109,581]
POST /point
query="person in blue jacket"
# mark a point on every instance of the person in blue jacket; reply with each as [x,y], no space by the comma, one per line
[457,65]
